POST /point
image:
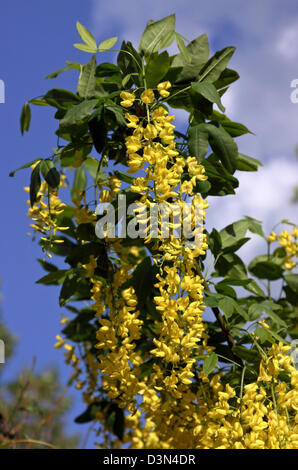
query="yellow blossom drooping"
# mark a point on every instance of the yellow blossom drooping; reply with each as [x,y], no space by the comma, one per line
[127,99]
[147,96]
[163,87]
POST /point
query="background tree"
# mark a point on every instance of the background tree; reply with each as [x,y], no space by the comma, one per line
[33,407]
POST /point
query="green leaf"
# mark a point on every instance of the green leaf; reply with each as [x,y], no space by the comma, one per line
[274,316]
[235,129]
[156,68]
[263,335]
[233,233]
[210,363]
[78,112]
[87,80]
[223,146]
[198,49]
[54,278]
[80,329]
[117,111]
[227,306]
[255,226]
[90,413]
[245,163]
[68,288]
[92,166]
[198,141]
[142,280]
[225,289]
[227,77]
[35,183]
[50,173]
[182,48]
[231,265]
[292,281]
[255,288]
[79,183]
[255,311]
[49,267]
[115,420]
[124,177]
[69,66]
[27,165]
[107,44]
[158,35]
[85,48]
[216,65]
[86,36]
[208,91]
[130,62]
[60,98]
[265,268]
[25,118]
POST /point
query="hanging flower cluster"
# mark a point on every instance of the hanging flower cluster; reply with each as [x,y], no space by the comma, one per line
[289,241]
[45,212]
[163,409]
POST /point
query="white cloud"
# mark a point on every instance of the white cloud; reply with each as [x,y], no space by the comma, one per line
[264,195]
[287,43]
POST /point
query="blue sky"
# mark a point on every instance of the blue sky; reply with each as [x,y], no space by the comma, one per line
[36,38]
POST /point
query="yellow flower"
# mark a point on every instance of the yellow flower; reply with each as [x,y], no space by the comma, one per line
[272,237]
[133,120]
[163,87]
[147,96]
[127,99]
[150,132]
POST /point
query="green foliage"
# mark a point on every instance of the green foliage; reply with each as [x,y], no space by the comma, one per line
[92,120]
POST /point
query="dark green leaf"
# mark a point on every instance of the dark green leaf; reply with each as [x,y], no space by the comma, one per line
[27,165]
[78,112]
[216,65]
[90,413]
[50,173]
[157,67]
[208,91]
[25,118]
[54,278]
[198,141]
[265,268]
[35,184]
[223,146]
